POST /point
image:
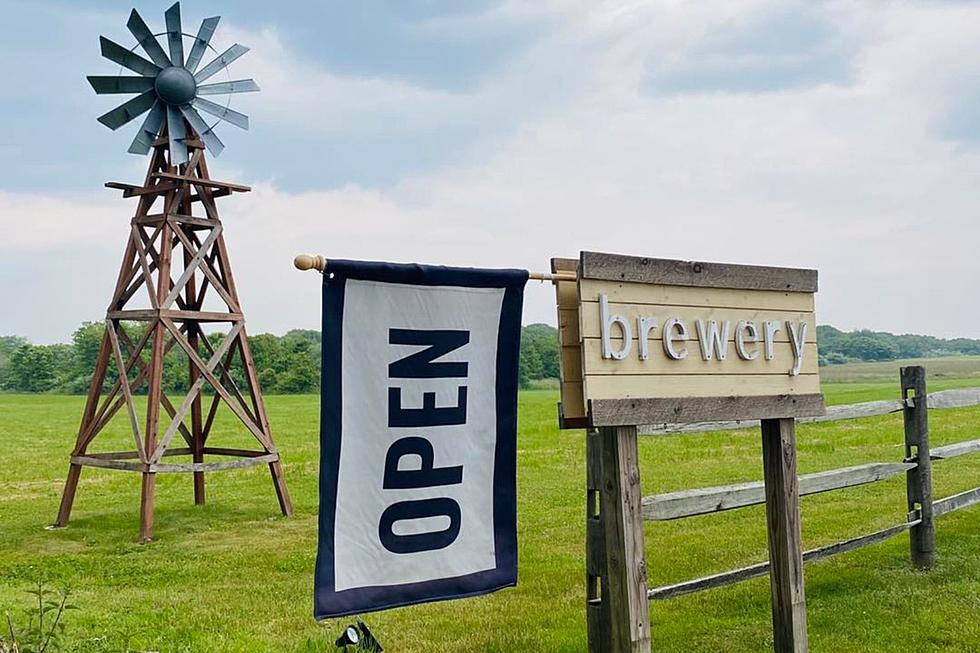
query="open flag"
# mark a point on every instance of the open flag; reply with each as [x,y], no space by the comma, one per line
[418,433]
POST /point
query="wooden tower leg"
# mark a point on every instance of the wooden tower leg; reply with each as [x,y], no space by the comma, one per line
[147,492]
[68,496]
[155,393]
[279,481]
[252,377]
[81,443]
[785,546]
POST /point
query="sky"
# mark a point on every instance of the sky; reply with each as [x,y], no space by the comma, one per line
[841,136]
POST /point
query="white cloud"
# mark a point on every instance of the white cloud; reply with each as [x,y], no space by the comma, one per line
[850,178]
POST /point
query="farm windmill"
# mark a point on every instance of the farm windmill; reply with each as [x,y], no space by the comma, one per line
[176,261]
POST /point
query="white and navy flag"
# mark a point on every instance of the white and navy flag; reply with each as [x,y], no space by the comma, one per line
[418,432]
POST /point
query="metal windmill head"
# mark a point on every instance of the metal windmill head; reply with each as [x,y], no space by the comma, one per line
[171,87]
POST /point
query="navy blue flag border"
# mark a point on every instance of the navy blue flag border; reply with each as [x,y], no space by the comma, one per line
[327,601]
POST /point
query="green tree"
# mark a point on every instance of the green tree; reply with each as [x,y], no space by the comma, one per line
[33,368]
[8,345]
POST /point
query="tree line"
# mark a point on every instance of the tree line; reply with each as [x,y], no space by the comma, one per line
[837,346]
[290,363]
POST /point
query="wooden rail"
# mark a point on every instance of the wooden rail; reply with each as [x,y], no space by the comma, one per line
[762,568]
[916,465]
[953,450]
[687,503]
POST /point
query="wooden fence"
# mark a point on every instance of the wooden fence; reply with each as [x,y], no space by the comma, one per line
[916,465]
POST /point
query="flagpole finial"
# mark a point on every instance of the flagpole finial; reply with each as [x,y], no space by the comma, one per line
[310,262]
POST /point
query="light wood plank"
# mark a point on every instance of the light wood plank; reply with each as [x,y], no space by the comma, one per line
[659,364]
[697,385]
[568,326]
[638,293]
[591,319]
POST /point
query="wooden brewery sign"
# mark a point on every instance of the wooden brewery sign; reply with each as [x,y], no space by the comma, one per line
[652,341]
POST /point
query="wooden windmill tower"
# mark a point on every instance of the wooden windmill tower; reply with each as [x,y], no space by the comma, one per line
[174,271]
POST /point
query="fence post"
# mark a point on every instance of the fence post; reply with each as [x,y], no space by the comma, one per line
[922,537]
[785,545]
[596,605]
[625,583]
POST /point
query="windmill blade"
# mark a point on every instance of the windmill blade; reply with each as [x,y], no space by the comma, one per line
[178,135]
[221,62]
[208,25]
[234,86]
[105,84]
[211,140]
[174,38]
[137,26]
[126,59]
[128,111]
[224,113]
[149,130]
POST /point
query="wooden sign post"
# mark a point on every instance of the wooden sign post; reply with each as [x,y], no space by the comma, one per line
[653,341]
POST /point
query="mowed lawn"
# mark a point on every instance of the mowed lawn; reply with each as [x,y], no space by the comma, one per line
[235,576]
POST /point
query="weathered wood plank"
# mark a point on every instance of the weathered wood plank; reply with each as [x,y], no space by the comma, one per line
[597,613]
[762,568]
[953,450]
[212,467]
[785,540]
[611,412]
[90,461]
[618,267]
[922,538]
[949,504]
[625,587]
[686,503]
[175,314]
[224,451]
[131,455]
[199,181]
[956,398]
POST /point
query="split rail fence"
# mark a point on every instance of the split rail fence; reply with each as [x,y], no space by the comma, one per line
[916,465]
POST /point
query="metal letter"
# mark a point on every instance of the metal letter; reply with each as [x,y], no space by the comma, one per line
[797,340]
[713,341]
[644,325]
[606,324]
[771,329]
[740,340]
[670,337]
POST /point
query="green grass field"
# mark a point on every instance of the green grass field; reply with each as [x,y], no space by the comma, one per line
[235,576]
